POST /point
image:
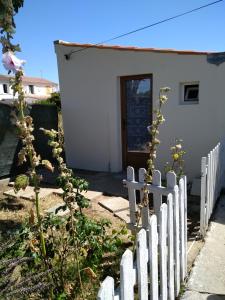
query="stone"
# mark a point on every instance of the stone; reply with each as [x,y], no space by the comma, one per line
[91,195]
[28,193]
[192,295]
[61,212]
[114,204]
[123,215]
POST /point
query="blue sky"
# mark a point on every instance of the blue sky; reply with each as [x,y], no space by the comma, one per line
[41,22]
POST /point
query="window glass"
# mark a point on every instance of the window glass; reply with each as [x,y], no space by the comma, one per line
[138,99]
[5,88]
[191,92]
[31,89]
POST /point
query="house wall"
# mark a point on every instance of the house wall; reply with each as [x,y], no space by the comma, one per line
[39,90]
[90,93]
[3,95]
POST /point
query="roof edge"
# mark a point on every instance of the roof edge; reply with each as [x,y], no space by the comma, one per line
[132,48]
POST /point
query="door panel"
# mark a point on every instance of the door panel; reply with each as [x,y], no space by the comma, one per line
[136,104]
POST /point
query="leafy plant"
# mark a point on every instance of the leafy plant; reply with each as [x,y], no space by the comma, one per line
[86,240]
[177,164]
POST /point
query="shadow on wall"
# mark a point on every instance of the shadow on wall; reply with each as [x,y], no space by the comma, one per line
[45,116]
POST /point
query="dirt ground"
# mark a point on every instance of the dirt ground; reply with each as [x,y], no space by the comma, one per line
[14,211]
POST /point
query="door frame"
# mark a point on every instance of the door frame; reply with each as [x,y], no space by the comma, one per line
[124,111]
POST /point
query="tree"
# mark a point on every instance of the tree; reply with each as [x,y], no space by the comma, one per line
[8,9]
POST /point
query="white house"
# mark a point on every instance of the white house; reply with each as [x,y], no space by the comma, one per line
[108,94]
[34,88]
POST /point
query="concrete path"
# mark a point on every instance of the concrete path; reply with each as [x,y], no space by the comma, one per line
[207,279]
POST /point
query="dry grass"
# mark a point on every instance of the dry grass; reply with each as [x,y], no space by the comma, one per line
[13,212]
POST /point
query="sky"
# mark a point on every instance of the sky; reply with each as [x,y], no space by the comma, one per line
[41,22]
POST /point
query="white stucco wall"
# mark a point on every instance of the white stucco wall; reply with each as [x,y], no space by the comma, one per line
[39,90]
[3,95]
[90,93]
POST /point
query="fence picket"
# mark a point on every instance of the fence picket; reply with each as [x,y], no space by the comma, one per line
[132,196]
[157,195]
[127,276]
[203,197]
[142,265]
[106,291]
[145,210]
[212,176]
[171,294]
[208,191]
[182,234]
[162,247]
[185,222]
[153,258]
[163,251]
[176,240]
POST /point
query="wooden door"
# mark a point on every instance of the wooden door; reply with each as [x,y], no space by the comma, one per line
[136,115]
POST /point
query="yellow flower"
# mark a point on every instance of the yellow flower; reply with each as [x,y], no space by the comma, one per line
[175,156]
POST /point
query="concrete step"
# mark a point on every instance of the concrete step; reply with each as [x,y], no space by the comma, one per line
[28,193]
[117,205]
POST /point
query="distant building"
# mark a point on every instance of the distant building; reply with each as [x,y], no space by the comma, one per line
[34,88]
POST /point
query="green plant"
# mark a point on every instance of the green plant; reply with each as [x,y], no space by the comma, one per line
[177,164]
[153,129]
[86,240]
[54,99]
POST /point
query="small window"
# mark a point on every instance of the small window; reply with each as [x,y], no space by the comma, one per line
[31,89]
[189,93]
[5,88]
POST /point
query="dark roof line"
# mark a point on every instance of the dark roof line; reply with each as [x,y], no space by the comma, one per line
[31,79]
[132,48]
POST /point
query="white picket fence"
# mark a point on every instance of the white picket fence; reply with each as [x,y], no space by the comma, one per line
[160,263]
[212,181]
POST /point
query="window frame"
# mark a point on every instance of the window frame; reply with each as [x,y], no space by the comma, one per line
[31,89]
[183,86]
[5,88]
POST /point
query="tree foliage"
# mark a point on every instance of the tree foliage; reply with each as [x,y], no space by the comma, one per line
[8,9]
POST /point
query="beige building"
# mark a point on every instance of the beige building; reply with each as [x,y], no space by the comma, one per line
[108,94]
[34,88]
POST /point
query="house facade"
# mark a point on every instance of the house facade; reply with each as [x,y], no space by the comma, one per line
[108,94]
[34,88]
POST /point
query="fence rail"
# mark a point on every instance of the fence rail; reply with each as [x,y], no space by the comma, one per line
[212,181]
[160,263]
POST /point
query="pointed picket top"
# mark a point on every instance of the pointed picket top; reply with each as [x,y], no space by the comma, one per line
[127,276]
[170,226]
[153,258]
[130,174]
[163,251]
[142,174]
[171,179]
[181,183]
[156,177]
[106,291]
[142,265]
[145,211]
[153,220]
